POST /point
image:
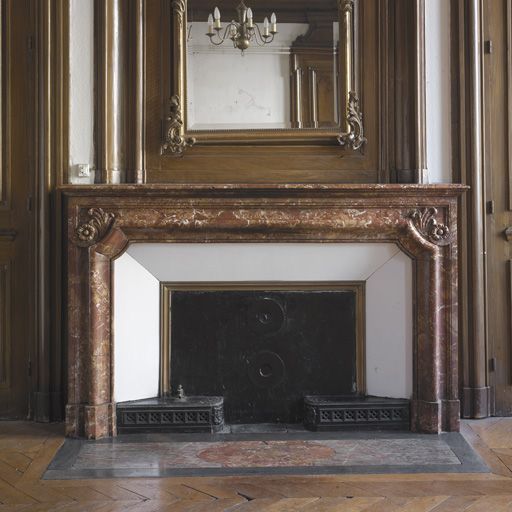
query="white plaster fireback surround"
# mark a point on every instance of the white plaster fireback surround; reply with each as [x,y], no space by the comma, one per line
[386,270]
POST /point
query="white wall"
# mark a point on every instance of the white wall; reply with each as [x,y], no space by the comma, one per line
[381,266]
[81,85]
[438,91]
[136,331]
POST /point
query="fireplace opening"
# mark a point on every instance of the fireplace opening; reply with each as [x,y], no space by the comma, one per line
[155,392]
[264,349]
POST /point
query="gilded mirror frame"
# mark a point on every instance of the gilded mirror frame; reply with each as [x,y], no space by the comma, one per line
[350,134]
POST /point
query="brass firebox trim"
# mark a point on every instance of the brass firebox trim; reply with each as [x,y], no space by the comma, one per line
[359,287]
[176,138]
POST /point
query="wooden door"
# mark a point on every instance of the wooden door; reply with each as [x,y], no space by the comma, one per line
[497,17]
[17,283]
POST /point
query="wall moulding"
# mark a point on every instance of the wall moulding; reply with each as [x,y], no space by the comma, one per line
[421,220]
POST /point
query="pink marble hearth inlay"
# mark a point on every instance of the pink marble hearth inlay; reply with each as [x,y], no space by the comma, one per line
[103,220]
[246,454]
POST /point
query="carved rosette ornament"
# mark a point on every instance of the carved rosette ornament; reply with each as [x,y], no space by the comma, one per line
[96,227]
[425,222]
[355,138]
[175,141]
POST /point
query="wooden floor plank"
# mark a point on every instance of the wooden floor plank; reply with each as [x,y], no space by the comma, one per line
[81,494]
[456,504]
[423,504]
[9,495]
[119,506]
[256,505]
[345,504]
[487,454]
[43,494]
[219,505]
[18,461]
[218,491]
[496,434]
[289,504]
[115,492]
[390,504]
[45,454]
[9,474]
[491,503]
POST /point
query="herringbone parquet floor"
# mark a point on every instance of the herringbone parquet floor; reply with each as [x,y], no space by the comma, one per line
[27,448]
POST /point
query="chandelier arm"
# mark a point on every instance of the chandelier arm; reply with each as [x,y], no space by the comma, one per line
[216,43]
[261,38]
[257,32]
[224,36]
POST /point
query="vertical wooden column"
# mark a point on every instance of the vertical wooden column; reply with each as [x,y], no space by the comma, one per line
[407,92]
[120,79]
[476,391]
[110,31]
[420,119]
[138,166]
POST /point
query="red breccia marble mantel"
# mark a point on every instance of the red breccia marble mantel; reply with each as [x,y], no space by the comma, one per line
[102,220]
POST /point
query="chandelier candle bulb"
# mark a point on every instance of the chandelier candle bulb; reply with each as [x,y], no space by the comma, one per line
[210,25]
[250,23]
[216,15]
[273,23]
[266,26]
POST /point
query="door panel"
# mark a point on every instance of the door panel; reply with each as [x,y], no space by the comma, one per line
[498,174]
[17,284]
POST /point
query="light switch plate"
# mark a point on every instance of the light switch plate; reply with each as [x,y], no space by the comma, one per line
[84,170]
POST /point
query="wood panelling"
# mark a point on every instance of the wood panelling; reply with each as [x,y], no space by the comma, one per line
[390,66]
[509,101]
[5,323]
[497,98]
[3,106]
[17,233]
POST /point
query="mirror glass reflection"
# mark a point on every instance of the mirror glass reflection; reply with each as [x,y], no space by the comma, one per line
[262,64]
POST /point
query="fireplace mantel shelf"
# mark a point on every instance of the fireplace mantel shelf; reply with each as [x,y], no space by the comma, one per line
[265,188]
[103,220]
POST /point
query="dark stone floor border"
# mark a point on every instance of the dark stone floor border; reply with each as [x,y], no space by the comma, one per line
[61,468]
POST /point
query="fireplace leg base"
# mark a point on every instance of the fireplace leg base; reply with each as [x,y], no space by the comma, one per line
[435,417]
[90,421]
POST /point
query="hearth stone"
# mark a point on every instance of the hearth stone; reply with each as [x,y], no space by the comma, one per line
[190,414]
[348,412]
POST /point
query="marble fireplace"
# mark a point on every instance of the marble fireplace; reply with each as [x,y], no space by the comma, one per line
[108,225]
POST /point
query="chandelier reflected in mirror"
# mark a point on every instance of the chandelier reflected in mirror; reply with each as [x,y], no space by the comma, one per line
[243,32]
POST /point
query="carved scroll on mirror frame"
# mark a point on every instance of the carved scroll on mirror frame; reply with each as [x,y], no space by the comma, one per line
[349,134]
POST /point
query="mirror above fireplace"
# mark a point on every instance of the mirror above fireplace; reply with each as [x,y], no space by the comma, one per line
[249,68]
[266,73]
